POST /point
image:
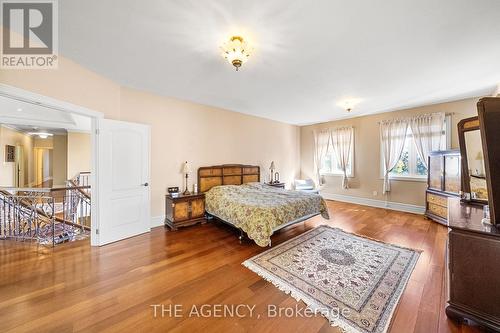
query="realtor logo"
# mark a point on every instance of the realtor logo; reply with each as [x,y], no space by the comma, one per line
[29,34]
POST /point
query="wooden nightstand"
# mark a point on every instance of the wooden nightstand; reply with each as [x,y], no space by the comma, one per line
[280,185]
[184,210]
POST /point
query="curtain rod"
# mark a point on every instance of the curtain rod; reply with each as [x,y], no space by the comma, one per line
[333,128]
[423,114]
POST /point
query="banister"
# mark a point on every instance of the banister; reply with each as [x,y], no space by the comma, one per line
[80,189]
[24,212]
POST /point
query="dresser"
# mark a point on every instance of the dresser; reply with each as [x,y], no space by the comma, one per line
[184,210]
[473,277]
[443,182]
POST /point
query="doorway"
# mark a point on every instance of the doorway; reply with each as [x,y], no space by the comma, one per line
[120,167]
[43,167]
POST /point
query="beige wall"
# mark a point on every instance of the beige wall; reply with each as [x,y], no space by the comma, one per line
[367,173]
[60,160]
[70,83]
[179,130]
[47,143]
[7,169]
[206,136]
[79,153]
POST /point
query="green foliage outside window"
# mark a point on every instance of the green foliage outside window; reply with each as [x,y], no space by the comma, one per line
[402,167]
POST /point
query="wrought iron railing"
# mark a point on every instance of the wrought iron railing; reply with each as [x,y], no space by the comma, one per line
[47,215]
[73,204]
[29,216]
[82,179]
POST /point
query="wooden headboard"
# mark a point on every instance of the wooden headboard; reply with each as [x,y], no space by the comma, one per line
[227,174]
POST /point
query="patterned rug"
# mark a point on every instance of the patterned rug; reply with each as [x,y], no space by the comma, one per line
[355,282]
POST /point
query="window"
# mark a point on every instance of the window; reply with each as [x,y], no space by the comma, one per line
[331,166]
[333,153]
[410,164]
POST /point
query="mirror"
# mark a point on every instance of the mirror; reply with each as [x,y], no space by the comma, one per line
[475,165]
[471,151]
[488,109]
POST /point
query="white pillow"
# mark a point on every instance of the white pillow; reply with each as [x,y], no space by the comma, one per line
[304,184]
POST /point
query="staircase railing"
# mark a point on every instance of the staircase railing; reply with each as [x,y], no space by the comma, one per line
[47,215]
[82,179]
[76,203]
[27,216]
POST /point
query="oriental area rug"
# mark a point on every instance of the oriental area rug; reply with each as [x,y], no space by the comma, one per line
[355,282]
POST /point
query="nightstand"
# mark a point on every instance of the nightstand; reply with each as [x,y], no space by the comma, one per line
[280,185]
[184,210]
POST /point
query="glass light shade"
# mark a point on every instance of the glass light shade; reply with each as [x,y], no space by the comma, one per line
[186,168]
[41,135]
[236,51]
[272,167]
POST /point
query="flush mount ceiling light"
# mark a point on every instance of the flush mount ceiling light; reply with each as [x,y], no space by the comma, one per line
[236,51]
[41,135]
[349,104]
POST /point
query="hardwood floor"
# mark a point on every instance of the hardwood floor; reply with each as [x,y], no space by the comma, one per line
[76,288]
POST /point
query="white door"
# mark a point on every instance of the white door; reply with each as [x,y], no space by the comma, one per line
[123,180]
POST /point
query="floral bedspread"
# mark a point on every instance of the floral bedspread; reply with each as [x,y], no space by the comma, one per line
[258,208]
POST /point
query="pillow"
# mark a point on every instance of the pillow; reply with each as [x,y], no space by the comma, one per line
[304,184]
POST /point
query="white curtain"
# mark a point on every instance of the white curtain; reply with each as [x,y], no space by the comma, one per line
[322,145]
[427,134]
[342,140]
[392,137]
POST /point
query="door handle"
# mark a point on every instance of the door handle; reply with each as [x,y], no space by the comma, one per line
[145,184]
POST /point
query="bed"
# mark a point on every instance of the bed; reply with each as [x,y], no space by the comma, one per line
[234,195]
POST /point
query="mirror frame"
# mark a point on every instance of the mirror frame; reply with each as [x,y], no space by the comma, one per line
[488,109]
[467,125]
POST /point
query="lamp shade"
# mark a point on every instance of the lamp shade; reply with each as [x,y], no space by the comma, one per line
[186,168]
[272,167]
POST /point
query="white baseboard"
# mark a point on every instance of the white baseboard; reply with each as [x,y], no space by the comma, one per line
[402,207]
[157,221]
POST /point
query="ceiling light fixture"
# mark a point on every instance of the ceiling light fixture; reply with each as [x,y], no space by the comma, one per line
[349,104]
[41,135]
[236,51]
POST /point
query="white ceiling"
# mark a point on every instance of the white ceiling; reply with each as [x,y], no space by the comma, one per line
[308,55]
[27,129]
[29,117]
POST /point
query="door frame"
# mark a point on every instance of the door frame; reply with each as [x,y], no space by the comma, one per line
[19,160]
[95,116]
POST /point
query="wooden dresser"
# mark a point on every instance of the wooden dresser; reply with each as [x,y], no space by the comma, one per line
[444,181]
[436,206]
[474,266]
[184,210]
